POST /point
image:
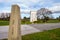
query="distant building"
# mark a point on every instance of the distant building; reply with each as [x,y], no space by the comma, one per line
[33,16]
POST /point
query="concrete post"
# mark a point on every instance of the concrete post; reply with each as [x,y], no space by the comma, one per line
[15,25]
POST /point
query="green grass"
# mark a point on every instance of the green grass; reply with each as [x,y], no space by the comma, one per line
[49,21]
[2,23]
[25,22]
[53,21]
[45,35]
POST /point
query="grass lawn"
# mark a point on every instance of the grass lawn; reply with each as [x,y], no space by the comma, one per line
[53,21]
[3,23]
[49,21]
[45,35]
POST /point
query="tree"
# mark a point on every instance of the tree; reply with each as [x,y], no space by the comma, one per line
[45,19]
[58,18]
[44,14]
[5,16]
[2,16]
[8,16]
[25,18]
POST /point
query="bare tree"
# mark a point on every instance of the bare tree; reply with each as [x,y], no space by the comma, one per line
[44,14]
[7,16]
[2,16]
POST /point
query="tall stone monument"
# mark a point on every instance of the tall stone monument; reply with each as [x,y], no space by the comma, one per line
[33,16]
[14,28]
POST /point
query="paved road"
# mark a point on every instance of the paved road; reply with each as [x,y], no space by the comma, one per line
[28,29]
[46,26]
[25,29]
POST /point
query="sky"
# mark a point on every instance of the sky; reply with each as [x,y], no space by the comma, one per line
[30,5]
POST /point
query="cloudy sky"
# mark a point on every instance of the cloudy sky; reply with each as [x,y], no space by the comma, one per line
[30,5]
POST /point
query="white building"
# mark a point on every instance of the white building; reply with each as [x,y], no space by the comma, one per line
[33,16]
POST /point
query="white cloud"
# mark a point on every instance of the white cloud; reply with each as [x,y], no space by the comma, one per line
[5,10]
[25,4]
[55,7]
[4,0]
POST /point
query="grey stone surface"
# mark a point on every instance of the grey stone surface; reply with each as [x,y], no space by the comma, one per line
[28,29]
[25,29]
[14,32]
[46,26]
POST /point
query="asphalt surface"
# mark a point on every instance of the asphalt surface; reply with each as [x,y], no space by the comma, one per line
[46,26]
[25,29]
[28,29]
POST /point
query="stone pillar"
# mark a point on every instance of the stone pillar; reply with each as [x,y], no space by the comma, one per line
[33,16]
[15,25]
